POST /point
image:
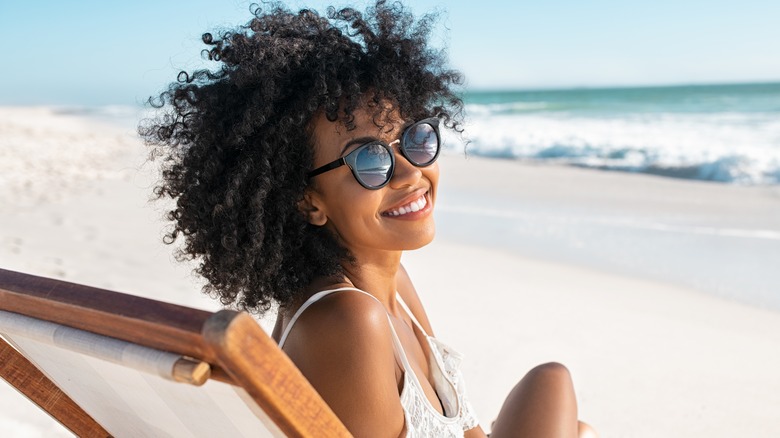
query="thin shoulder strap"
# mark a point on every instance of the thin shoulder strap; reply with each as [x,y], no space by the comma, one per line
[399,348]
[313,299]
[411,315]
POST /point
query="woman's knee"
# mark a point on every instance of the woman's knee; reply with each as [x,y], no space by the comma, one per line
[551,372]
[549,381]
[544,398]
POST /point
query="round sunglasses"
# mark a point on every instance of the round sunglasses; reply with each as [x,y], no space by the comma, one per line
[373,163]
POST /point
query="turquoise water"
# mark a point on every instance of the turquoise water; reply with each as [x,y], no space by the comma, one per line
[686,99]
[720,133]
[723,133]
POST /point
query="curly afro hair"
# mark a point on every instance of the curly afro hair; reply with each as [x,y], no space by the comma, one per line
[236,143]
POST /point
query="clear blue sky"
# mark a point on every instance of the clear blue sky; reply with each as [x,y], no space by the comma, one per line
[120,52]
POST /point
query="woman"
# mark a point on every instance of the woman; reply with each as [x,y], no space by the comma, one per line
[301,170]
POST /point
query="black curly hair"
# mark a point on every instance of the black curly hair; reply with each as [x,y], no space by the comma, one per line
[236,141]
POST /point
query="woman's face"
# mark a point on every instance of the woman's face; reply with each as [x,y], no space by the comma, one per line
[364,219]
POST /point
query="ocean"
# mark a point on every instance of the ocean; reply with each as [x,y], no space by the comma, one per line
[722,133]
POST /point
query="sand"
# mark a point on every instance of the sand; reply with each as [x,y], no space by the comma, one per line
[531,264]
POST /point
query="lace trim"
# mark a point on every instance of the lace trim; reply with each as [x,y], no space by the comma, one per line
[450,361]
[420,421]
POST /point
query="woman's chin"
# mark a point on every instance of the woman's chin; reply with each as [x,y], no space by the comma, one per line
[422,241]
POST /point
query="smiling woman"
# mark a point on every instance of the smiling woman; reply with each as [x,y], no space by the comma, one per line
[301,170]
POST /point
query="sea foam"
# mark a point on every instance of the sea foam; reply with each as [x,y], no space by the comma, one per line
[728,144]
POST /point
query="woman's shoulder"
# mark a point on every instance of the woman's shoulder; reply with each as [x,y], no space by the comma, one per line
[339,331]
[348,309]
[340,315]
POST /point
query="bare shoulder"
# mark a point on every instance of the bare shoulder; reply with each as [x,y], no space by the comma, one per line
[344,347]
[408,292]
[342,322]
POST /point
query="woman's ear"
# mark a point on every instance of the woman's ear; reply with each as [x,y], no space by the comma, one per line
[311,207]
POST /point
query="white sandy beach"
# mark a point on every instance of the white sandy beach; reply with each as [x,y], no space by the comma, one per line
[659,295]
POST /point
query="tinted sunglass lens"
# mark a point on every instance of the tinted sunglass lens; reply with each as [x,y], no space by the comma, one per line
[373,165]
[421,144]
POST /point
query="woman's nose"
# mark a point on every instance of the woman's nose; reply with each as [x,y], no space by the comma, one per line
[405,173]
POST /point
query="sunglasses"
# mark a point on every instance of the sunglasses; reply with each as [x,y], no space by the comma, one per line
[373,163]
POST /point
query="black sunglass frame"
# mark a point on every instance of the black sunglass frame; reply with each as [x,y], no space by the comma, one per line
[351,158]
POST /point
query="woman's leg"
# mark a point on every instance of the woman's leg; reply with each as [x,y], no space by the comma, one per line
[542,404]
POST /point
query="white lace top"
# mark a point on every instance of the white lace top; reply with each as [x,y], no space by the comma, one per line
[422,419]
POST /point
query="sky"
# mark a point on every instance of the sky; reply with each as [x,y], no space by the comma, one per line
[85,52]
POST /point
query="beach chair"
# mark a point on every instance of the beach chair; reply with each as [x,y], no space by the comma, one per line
[105,363]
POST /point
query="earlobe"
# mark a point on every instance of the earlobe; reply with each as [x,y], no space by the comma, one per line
[310,208]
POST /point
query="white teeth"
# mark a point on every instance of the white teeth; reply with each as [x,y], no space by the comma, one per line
[413,206]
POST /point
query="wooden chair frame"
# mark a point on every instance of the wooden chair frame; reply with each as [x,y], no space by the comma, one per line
[239,351]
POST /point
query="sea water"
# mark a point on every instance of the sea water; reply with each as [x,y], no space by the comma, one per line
[723,133]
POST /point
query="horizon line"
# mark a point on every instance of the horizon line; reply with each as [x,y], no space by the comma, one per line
[616,87]
[464,91]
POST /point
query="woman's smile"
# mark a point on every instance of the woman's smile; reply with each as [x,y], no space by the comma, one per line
[417,208]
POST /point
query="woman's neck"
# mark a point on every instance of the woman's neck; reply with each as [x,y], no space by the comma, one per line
[376,275]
